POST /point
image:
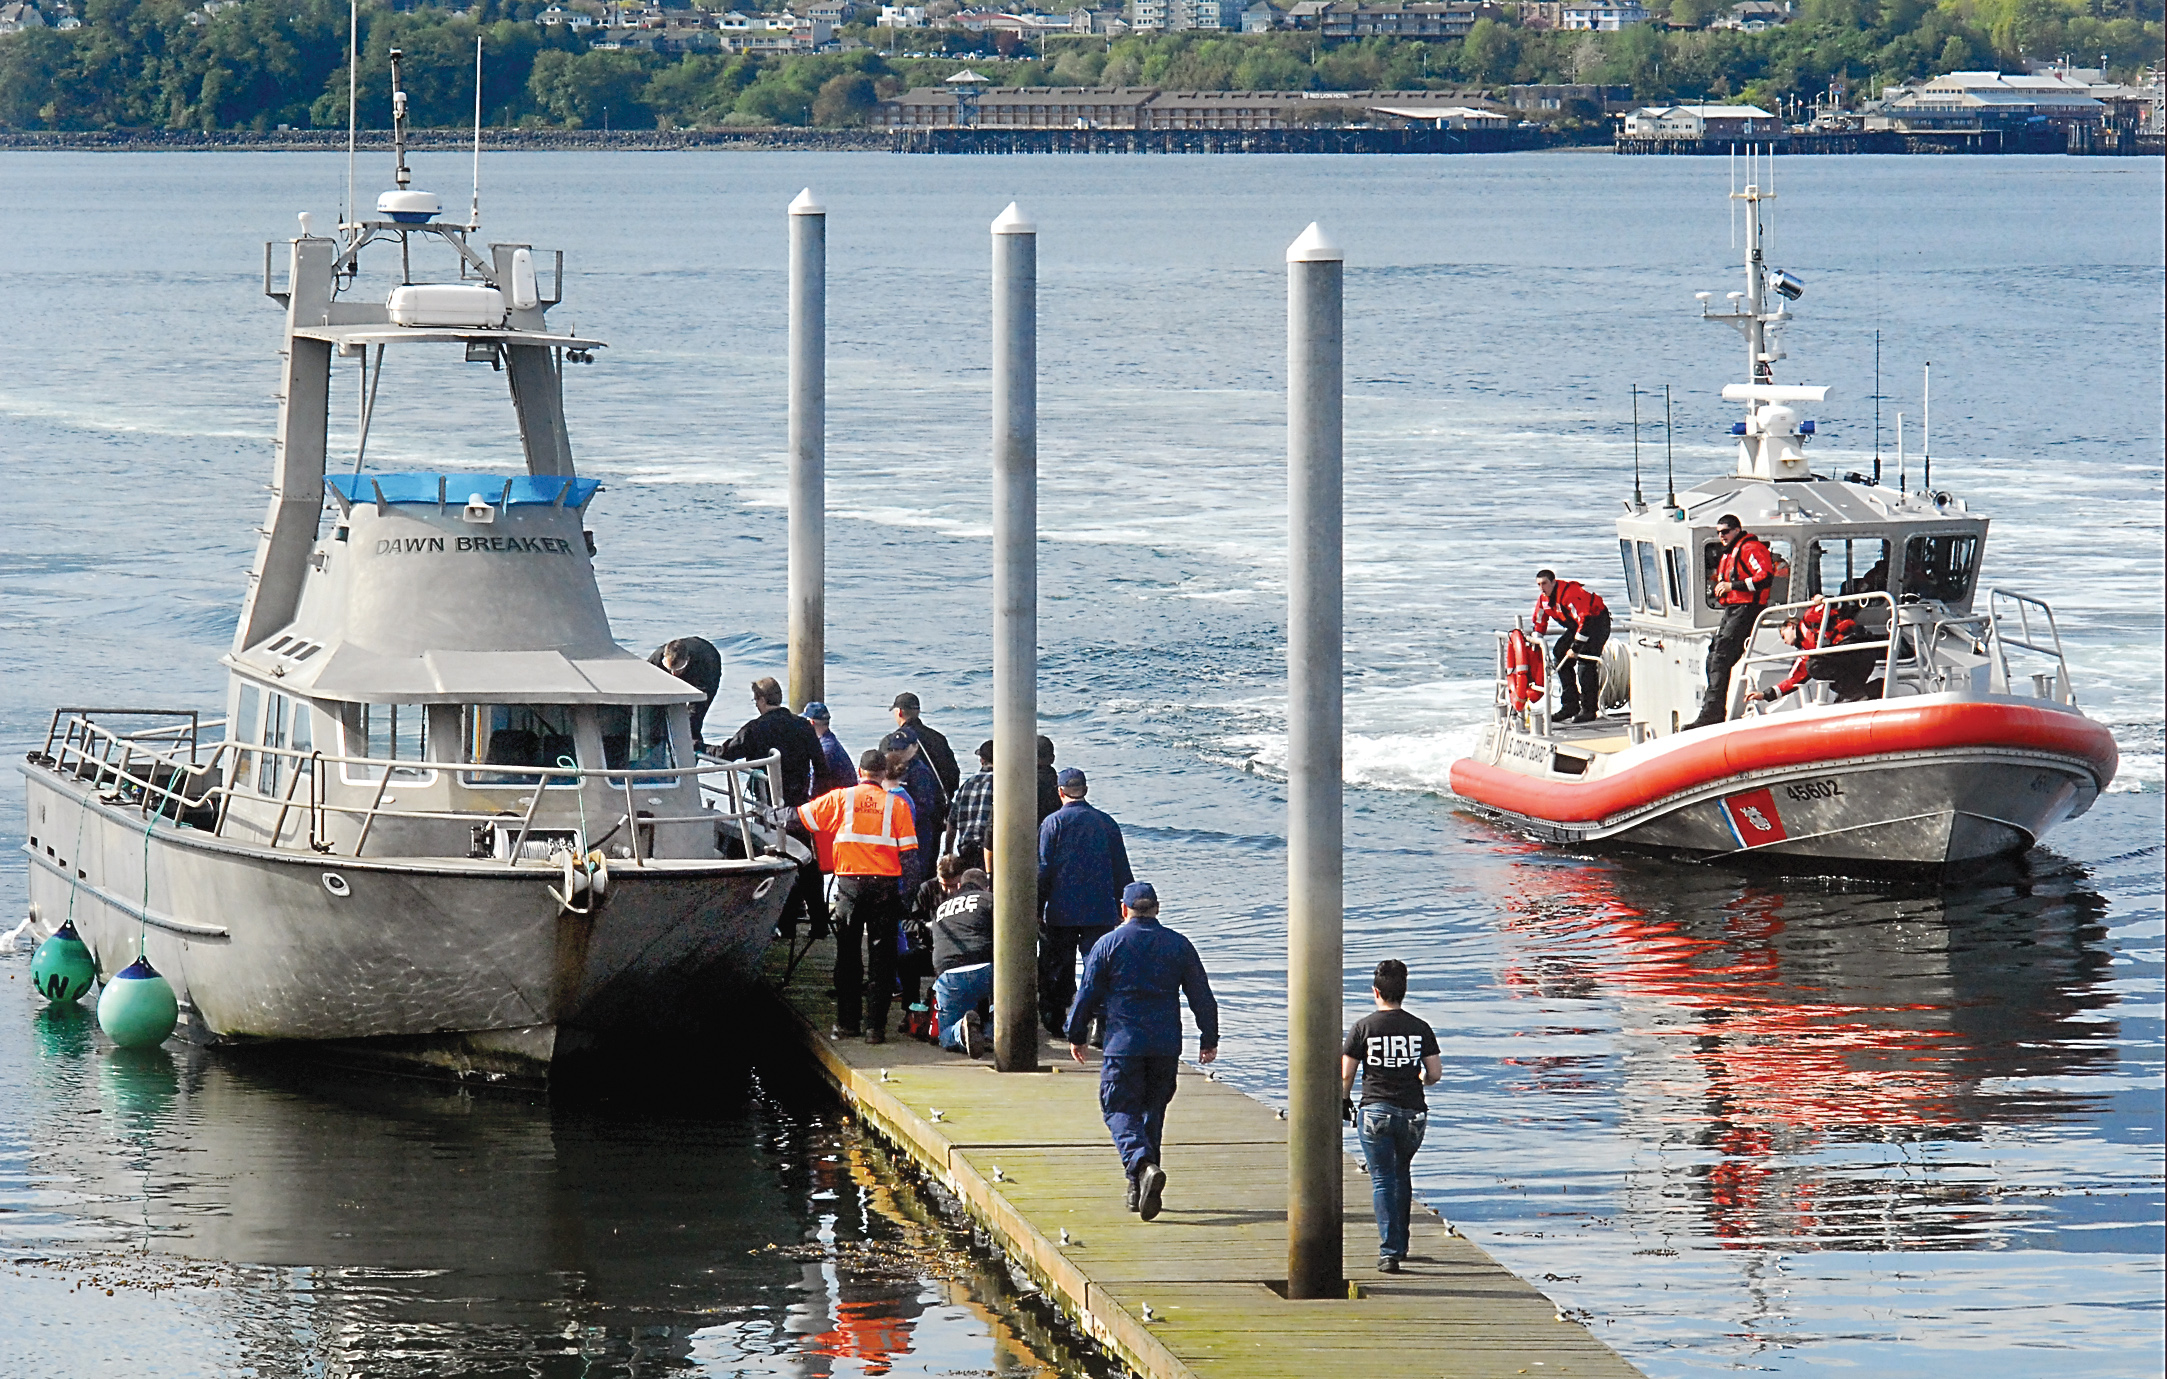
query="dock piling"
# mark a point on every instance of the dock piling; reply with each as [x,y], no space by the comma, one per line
[808,449]
[1315,677]
[1015,642]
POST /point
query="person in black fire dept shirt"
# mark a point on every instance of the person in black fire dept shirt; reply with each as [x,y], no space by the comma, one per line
[1397,1056]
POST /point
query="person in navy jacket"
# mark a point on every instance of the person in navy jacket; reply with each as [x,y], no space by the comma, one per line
[1135,978]
[1082,866]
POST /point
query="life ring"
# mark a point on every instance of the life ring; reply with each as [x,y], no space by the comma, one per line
[1523,670]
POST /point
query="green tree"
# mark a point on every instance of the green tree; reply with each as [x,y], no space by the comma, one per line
[592,90]
[845,101]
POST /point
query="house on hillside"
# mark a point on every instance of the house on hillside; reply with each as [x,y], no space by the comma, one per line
[1601,16]
[1752,16]
[14,18]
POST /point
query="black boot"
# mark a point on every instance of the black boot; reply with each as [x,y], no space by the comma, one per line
[1134,1191]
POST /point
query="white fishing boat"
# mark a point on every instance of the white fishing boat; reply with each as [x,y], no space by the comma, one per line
[1960,736]
[445,818]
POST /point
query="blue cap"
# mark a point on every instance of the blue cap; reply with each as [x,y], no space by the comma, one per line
[1071,779]
[1138,890]
[818,710]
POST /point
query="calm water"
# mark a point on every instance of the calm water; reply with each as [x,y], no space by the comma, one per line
[1739,1123]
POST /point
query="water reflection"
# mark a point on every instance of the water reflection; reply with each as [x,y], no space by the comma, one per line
[1763,1027]
[714,1216]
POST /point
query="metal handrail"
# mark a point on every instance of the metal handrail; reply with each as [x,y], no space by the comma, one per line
[83,743]
[1734,696]
[2001,641]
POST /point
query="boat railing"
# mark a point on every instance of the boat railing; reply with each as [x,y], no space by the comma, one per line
[1537,713]
[1911,649]
[2009,626]
[1777,614]
[200,788]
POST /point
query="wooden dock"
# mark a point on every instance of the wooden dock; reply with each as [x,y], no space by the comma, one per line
[1196,1292]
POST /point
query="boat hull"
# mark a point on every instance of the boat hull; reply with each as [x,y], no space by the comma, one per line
[1921,784]
[464,965]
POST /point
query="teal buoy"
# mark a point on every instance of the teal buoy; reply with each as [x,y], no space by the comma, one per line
[62,969]
[137,1008]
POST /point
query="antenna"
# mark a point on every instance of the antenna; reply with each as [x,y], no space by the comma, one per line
[404,178]
[1900,486]
[1670,485]
[1877,407]
[1638,501]
[1926,432]
[474,215]
[353,49]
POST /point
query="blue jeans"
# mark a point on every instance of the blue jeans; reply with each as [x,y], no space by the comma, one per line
[957,993]
[1390,1136]
[1133,1092]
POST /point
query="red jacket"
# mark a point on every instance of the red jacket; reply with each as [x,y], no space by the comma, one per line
[1750,571]
[1571,604]
[1841,630]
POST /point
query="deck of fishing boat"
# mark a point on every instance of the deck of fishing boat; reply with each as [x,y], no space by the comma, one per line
[1198,1291]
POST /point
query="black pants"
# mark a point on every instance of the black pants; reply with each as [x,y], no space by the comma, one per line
[1723,653]
[1059,951]
[867,910]
[1580,681]
[1847,671]
[808,900]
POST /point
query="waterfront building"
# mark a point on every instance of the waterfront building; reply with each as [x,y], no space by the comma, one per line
[1971,101]
[1701,122]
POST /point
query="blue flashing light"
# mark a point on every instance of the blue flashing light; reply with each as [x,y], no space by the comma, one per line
[1805,428]
[1738,428]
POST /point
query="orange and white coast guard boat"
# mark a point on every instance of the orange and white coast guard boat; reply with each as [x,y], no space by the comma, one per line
[1969,743]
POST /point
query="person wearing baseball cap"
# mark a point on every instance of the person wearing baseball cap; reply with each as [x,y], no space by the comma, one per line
[834,770]
[1134,980]
[1082,866]
[935,746]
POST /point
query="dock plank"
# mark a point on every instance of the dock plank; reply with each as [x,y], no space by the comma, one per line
[1029,1157]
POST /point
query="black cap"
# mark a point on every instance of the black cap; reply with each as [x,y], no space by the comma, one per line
[899,741]
[905,700]
[985,750]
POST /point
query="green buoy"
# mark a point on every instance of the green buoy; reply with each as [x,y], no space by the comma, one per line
[137,1009]
[62,968]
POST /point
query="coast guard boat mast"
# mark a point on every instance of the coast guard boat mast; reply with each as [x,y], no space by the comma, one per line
[1968,744]
[451,821]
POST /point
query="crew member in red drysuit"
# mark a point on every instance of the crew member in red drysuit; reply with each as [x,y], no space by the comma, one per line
[1579,650]
[1745,573]
[1847,671]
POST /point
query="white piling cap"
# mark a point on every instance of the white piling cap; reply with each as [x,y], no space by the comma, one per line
[1013,222]
[1314,246]
[805,203]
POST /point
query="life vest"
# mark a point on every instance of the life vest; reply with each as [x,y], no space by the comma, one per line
[861,830]
[1523,670]
[1749,568]
[1574,605]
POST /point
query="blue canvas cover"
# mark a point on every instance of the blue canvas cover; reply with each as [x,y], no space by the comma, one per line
[455,488]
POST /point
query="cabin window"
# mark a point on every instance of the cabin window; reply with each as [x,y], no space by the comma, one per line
[1651,580]
[243,729]
[387,732]
[271,766]
[1855,565]
[636,737]
[1779,589]
[1674,568]
[1632,573]
[516,735]
[1940,567]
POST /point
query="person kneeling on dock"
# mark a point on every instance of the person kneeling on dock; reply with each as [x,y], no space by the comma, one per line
[865,833]
[1136,977]
[1579,651]
[1397,1055]
[962,930]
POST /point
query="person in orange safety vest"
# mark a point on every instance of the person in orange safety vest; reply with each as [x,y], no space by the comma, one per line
[863,832]
[1745,575]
